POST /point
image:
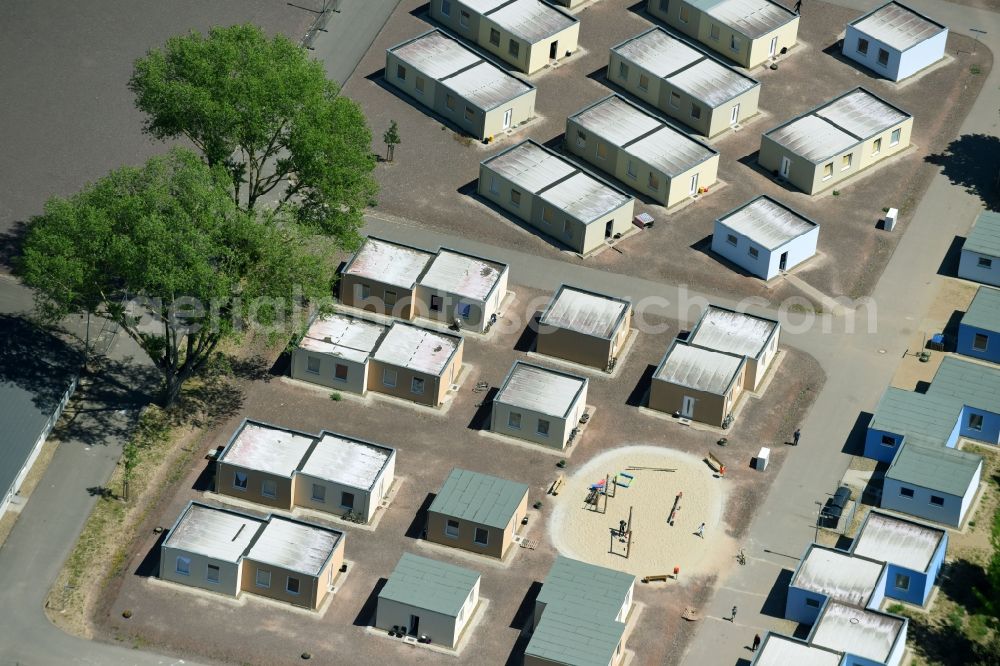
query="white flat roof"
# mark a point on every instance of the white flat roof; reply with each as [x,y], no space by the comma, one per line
[530,20]
[344,460]
[530,166]
[213,533]
[486,85]
[462,274]
[389,262]
[861,632]
[699,369]
[343,336]
[540,389]
[780,651]
[416,348]
[294,546]
[861,113]
[838,576]
[646,137]
[265,448]
[584,197]
[897,541]
[658,53]
[711,82]
[733,332]
[813,138]
[436,55]
[897,26]
[767,223]
[754,18]
[584,312]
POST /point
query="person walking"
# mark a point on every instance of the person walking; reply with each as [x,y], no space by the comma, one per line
[756,642]
[700,531]
[798,6]
[795,437]
[733,618]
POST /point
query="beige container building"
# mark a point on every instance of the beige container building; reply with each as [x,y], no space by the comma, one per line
[259,463]
[699,384]
[641,150]
[750,336]
[826,146]
[683,82]
[555,196]
[229,552]
[456,83]
[539,405]
[425,597]
[477,512]
[334,352]
[462,287]
[416,364]
[584,327]
[528,34]
[748,32]
[382,276]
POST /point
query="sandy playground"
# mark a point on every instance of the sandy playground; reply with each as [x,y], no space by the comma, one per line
[580,532]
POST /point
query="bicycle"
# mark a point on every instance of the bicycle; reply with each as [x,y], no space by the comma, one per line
[741,558]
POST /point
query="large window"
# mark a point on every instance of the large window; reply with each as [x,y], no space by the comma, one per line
[902,582]
[420,85]
[894,137]
[292,585]
[675,100]
[340,372]
[753,252]
[240,480]
[862,46]
[984,262]
[451,529]
[877,146]
[734,43]
[312,364]
[469,113]
[548,216]
[714,32]
[389,377]
[906,492]
[417,385]
[269,488]
[263,578]
[318,492]
[463,19]
[654,182]
[602,151]
[482,537]
[514,420]
[937,501]
[514,48]
[446,7]
[828,170]
[731,239]
[695,111]
[515,197]
[845,161]
[643,82]
[543,428]
[980,342]
[449,101]
[347,500]
[390,298]
[400,72]
[883,57]
[683,13]
[494,37]
[212,573]
[975,422]
[888,440]
[183,566]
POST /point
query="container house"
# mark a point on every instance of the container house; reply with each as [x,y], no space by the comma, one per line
[382,276]
[980,259]
[765,237]
[979,330]
[416,364]
[750,336]
[539,405]
[699,384]
[584,327]
[895,41]
[462,287]
[334,352]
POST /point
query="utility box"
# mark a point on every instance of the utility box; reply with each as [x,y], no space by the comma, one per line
[760,462]
[890,219]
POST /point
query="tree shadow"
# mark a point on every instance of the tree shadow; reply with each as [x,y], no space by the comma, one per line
[101,491]
[36,362]
[150,565]
[637,398]
[940,643]
[774,603]
[960,579]
[11,243]
[854,445]
[526,609]
[480,420]
[418,525]
[970,162]
[366,616]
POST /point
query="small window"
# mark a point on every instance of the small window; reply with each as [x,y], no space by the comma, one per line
[602,151]
[683,14]
[548,217]
[975,422]
[731,239]
[389,377]
[514,420]
[449,101]
[695,111]
[212,573]
[318,493]
[400,72]
[862,46]
[980,342]
[643,82]
[567,229]
[292,585]
[902,582]
[269,488]
[312,365]
[664,5]
[183,566]
[714,32]
[812,603]
[346,500]
[630,169]
[494,37]
[451,529]
[543,428]
[469,113]
[465,311]
[675,100]
[753,252]
[828,170]
[417,385]
[366,291]
[340,372]
[494,185]
[622,71]
[894,137]
[654,182]
[446,7]
[734,43]
[514,48]
[937,501]
[877,146]
[436,303]
[420,85]
[906,492]
[240,481]
[581,139]
[463,19]
[263,578]
[985,262]
[482,537]
[845,161]
[888,440]
[883,57]
[389,298]
[515,198]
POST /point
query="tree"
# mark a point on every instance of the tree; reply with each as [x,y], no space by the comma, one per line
[169,236]
[391,138]
[130,459]
[265,112]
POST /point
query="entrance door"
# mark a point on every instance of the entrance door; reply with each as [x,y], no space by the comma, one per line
[608,228]
[735,116]
[783,261]
[687,407]
[414,625]
[786,164]
[693,190]
[507,118]
[435,304]
[554,50]
[773,48]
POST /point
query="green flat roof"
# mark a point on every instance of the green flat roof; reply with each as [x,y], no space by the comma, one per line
[577,583]
[973,384]
[984,237]
[479,498]
[984,311]
[428,584]
[939,468]
[564,637]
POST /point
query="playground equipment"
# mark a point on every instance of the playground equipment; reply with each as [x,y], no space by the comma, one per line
[675,509]
[604,488]
[652,469]
[626,481]
[557,484]
[623,535]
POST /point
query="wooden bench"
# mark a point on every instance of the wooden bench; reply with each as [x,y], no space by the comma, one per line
[716,464]
[556,485]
